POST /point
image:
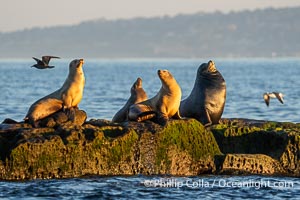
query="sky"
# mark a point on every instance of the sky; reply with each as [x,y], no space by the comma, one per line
[24,14]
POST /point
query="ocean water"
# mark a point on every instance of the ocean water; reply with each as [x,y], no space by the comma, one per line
[108,84]
[107,88]
[153,187]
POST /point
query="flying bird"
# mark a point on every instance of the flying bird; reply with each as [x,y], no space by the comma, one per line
[277,95]
[44,63]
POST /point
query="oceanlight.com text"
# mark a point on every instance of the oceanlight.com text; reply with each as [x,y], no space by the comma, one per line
[221,183]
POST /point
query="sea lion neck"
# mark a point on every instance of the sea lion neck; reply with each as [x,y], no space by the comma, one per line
[212,76]
[76,73]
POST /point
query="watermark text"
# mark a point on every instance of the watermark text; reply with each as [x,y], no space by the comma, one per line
[220,183]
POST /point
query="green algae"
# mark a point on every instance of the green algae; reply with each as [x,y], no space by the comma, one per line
[181,147]
[188,136]
[121,148]
[230,131]
[33,158]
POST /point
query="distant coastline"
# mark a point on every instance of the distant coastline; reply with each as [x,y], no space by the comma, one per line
[258,33]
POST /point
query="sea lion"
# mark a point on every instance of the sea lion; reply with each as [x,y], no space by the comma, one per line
[44,63]
[66,98]
[163,106]
[207,99]
[137,95]
[277,95]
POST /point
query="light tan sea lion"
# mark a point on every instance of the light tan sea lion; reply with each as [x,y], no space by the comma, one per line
[163,106]
[67,97]
[207,99]
[137,95]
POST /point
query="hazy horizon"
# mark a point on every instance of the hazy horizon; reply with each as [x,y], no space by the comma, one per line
[40,13]
[258,33]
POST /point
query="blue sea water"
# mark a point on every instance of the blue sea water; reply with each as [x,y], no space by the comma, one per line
[151,187]
[107,88]
[108,84]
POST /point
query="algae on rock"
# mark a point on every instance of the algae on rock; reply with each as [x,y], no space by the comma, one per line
[182,141]
[278,140]
[183,147]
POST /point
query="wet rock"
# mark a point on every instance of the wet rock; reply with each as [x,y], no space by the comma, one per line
[9,121]
[279,140]
[100,122]
[61,118]
[250,164]
[182,147]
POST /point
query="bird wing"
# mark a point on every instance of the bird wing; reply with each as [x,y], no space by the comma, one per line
[279,96]
[39,62]
[267,99]
[46,59]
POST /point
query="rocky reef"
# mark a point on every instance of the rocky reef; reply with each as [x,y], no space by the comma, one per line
[259,147]
[63,149]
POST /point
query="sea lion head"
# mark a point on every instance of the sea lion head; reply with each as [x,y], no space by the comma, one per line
[138,91]
[75,67]
[168,82]
[164,76]
[137,84]
[207,68]
[208,73]
[77,63]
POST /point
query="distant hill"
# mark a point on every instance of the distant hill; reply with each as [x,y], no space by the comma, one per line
[268,32]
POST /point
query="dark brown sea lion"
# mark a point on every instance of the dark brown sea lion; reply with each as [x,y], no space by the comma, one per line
[207,99]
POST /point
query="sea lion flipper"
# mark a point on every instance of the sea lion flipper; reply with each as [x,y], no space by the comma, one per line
[67,100]
[146,115]
[207,120]
[31,121]
[161,119]
[177,115]
[71,114]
